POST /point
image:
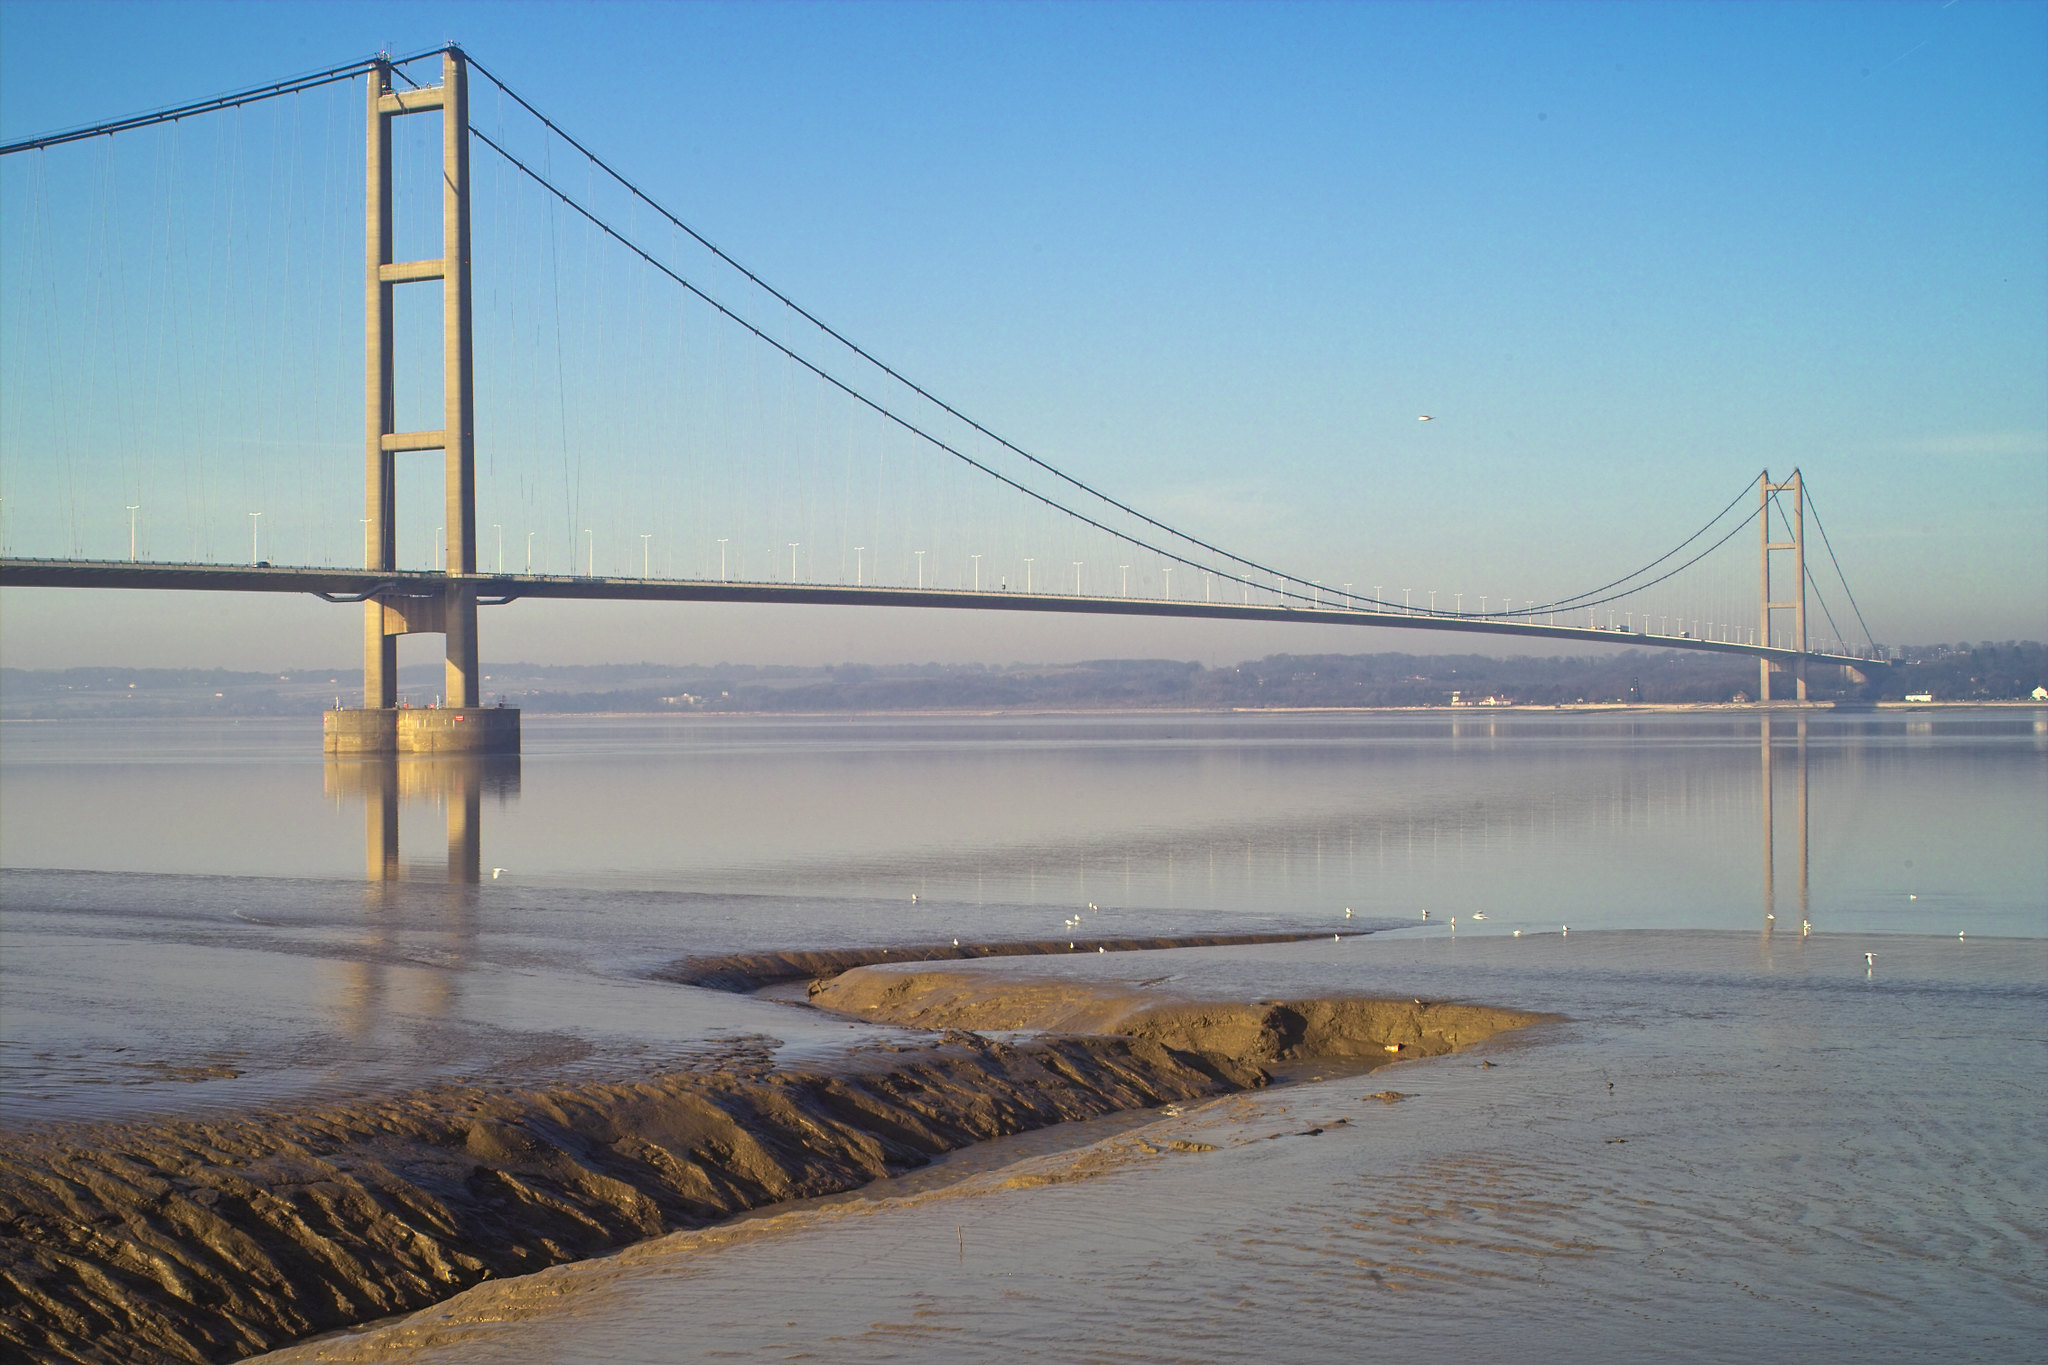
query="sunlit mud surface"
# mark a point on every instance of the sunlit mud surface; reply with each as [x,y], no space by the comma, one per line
[1736,1147]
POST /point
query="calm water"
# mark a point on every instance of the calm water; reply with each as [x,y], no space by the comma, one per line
[1821,1158]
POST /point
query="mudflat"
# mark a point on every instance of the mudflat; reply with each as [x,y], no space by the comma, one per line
[215,1239]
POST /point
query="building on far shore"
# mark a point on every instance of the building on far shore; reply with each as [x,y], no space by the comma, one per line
[1919,696]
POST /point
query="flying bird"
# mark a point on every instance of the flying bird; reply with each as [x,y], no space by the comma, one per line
[1425,418]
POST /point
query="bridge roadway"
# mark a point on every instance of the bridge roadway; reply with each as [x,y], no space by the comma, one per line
[354,585]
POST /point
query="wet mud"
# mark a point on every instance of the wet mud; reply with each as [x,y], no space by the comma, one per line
[213,1240]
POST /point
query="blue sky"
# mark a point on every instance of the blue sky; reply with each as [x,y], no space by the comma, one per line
[1218,258]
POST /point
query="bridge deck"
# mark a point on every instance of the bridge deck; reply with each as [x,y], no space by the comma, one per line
[355,584]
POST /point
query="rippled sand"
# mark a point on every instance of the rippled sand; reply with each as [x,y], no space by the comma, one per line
[1801,1156]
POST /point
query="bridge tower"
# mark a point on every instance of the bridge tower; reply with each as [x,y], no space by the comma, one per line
[1797,603]
[459,723]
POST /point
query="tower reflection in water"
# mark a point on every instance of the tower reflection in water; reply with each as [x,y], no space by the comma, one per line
[459,782]
[417,940]
[1768,758]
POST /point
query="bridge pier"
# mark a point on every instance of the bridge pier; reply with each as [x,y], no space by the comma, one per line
[373,730]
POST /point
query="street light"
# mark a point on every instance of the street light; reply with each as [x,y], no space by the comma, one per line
[920,567]
[792,559]
[645,568]
[254,523]
[860,565]
[365,523]
[439,557]
[1169,582]
[529,552]
[977,571]
[501,545]
[1027,575]
[133,508]
[1126,571]
[591,570]
[1077,577]
[721,557]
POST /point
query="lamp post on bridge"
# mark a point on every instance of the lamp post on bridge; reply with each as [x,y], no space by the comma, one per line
[590,565]
[860,565]
[529,552]
[646,568]
[255,522]
[792,559]
[977,571]
[133,508]
[1027,574]
[1125,569]
[1169,583]
[365,521]
[920,568]
[721,557]
[1077,577]
[501,545]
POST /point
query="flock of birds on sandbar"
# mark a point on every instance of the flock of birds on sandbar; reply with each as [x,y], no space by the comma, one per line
[1073,922]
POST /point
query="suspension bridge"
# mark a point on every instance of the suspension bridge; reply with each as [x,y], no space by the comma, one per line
[175,347]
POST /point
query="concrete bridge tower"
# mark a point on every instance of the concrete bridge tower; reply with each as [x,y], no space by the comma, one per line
[458,722]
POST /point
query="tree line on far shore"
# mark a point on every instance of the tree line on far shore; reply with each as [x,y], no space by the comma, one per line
[1988,671]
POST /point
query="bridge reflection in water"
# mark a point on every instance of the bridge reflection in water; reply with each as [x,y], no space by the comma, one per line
[1767,756]
[384,783]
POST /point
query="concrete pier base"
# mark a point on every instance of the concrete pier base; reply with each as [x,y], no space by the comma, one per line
[421,730]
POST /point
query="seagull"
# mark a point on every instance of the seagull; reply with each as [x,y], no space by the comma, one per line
[1425,418]
[1425,914]
[497,872]
[913,898]
[956,943]
[1477,915]
[1869,959]
[1091,905]
[1805,927]
[1563,930]
[1347,912]
[1911,897]
[1518,933]
[1454,923]
[1959,933]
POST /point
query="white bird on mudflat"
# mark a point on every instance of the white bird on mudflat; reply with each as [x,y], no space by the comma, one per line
[1518,933]
[498,872]
[1869,959]
[1425,914]
[1477,915]
[913,898]
[1563,930]
[1347,912]
[1959,933]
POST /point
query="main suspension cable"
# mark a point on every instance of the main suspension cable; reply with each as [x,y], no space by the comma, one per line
[1315,591]
[1821,526]
[232,100]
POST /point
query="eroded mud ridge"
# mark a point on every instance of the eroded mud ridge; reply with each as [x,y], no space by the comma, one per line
[751,971]
[206,1241]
